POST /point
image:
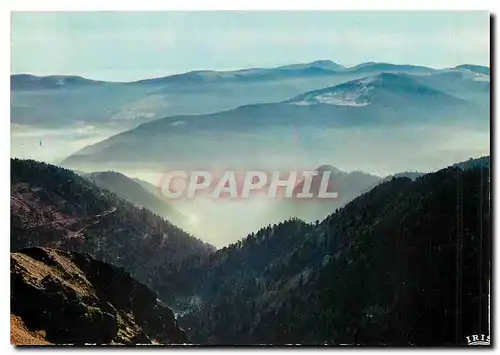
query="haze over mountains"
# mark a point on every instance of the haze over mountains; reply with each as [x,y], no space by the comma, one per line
[380,98]
[37,100]
[381,270]
[136,193]
[316,127]
[401,257]
[369,118]
[84,109]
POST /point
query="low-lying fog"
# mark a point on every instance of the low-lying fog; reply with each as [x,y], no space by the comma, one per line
[52,145]
[379,151]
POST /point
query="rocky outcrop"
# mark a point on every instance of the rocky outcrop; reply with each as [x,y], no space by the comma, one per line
[71,298]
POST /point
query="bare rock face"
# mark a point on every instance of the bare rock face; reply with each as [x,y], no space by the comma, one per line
[72,298]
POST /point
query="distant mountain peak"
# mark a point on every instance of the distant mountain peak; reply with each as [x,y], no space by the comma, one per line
[329,168]
[361,92]
[33,82]
[321,64]
[482,162]
[328,64]
[377,67]
[480,69]
[365,64]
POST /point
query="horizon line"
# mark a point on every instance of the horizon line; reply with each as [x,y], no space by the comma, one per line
[225,70]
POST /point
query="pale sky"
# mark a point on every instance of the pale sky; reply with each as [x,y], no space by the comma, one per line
[121,46]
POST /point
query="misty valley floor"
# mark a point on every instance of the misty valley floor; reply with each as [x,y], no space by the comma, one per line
[388,268]
[402,257]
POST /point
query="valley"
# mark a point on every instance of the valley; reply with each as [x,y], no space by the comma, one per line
[401,256]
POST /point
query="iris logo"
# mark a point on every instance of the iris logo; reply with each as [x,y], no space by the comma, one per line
[476,339]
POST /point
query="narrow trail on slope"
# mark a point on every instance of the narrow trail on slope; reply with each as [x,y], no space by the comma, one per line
[68,221]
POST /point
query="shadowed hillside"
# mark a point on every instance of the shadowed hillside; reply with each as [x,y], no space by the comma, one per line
[63,297]
[405,263]
[134,192]
[54,207]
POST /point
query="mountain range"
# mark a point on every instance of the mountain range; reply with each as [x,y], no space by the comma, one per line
[401,257]
[375,101]
[20,82]
[54,100]
[229,117]
[398,265]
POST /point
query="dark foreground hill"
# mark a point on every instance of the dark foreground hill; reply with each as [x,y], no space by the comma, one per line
[63,297]
[56,208]
[407,263]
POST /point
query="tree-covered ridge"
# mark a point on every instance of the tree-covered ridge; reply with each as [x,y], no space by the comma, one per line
[406,263]
[54,207]
[202,275]
[483,162]
[134,192]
